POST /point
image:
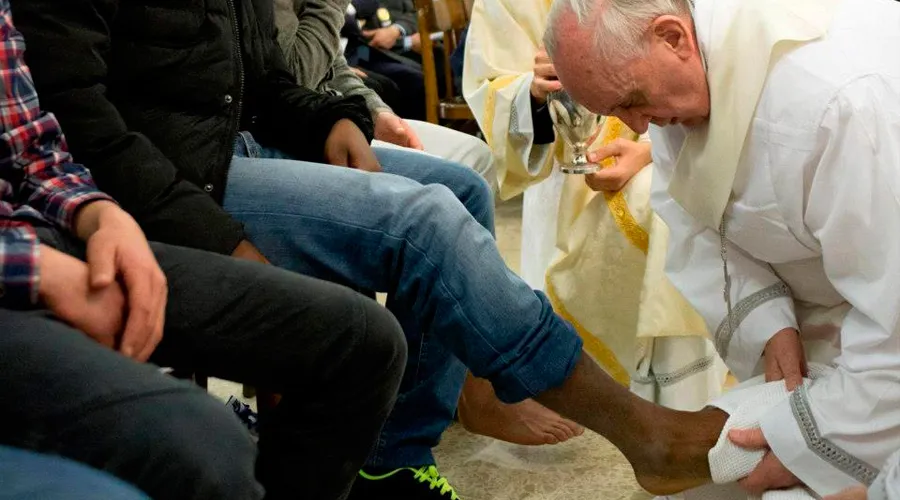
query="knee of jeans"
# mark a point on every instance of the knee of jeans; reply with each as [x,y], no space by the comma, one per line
[201,450]
[479,200]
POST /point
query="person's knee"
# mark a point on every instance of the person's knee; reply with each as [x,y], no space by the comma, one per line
[478,197]
[190,446]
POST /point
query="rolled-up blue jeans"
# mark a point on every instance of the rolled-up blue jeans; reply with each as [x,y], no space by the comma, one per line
[422,233]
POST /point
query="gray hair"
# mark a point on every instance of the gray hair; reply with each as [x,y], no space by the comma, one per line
[618,25]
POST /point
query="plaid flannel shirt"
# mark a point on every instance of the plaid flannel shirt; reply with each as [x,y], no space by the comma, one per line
[39,184]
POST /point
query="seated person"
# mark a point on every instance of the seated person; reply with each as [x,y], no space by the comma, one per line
[272,170]
[85,302]
[307,34]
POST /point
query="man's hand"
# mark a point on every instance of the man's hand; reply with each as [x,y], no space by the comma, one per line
[854,493]
[416,43]
[118,252]
[246,251]
[358,72]
[346,146]
[65,289]
[630,157]
[383,38]
[770,474]
[393,129]
[785,358]
[545,79]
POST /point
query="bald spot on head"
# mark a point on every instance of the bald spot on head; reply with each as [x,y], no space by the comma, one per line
[586,74]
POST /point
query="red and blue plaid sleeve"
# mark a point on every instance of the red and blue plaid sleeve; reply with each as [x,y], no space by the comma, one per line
[19,251]
[38,181]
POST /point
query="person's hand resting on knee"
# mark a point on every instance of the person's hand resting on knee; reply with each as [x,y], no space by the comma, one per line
[347,146]
[393,129]
[118,297]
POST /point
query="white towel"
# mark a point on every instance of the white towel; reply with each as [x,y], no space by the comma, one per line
[746,404]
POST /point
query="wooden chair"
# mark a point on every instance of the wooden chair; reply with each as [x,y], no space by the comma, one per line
[449,17]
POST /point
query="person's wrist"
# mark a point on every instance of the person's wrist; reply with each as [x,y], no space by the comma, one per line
[90,216]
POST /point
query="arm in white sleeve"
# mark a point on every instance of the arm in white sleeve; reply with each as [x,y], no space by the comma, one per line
[841,430]
[887,484]
[761,303]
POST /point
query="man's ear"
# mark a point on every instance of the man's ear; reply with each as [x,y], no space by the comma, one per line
[674,34]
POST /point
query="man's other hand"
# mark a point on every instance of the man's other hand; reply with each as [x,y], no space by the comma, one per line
[118,255]
[246,251]
[65,289]
[393,129]
[383,38]
[346,146]
[785,359]
[630,157]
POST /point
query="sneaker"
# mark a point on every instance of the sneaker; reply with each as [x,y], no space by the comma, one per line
[407,483]
[246,415]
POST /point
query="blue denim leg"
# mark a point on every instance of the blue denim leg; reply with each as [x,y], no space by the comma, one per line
[25,475]
[429,392]
[439,265]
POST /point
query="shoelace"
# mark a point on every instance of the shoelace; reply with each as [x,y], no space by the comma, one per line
[429,474]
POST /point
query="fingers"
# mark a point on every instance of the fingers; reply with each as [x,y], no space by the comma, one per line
[545,71]
[773,370]
[364,160]
[101,259]
[854,493]
[751,439]
[415,142]
[337,156]
[547,86]
[770,474]
[156,334]
[793,374]
[608,179]
[614,148]
[146,291]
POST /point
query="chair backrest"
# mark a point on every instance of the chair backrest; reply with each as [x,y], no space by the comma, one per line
[444,15]
[449,17]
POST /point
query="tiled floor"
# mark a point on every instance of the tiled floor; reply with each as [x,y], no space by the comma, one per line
[586,468]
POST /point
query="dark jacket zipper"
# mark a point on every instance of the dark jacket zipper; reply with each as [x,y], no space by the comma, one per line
[240,64]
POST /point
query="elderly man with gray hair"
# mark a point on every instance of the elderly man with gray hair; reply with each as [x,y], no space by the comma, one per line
[776,137]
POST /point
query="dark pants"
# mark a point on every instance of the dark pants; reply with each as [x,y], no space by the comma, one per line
[336,356]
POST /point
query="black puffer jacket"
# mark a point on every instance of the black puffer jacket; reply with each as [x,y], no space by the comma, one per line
[151,94]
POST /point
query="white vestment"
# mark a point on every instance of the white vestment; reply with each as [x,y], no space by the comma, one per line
[812,239]
[887,485]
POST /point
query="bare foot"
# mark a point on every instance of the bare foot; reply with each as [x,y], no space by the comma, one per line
[527,423]
[675,457]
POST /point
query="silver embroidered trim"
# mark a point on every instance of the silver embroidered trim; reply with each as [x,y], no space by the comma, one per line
[824,448]
[672,378]
[743,309]
[514,119]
